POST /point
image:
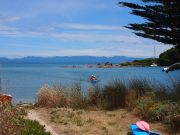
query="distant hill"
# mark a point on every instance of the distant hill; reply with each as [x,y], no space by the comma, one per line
[69,59]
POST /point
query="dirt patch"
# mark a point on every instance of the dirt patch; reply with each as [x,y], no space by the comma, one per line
[65,121]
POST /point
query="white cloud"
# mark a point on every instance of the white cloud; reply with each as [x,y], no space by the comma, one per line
[82,52]
[89,27]
[9,19]
[82,36]
[7,28]
[85,36]
[65,8]
[92,37]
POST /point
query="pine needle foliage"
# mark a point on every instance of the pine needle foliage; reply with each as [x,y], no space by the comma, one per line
[162,20]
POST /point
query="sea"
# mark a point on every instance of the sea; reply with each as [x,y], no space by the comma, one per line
[23,81]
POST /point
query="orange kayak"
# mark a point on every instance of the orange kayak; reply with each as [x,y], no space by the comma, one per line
[5,98]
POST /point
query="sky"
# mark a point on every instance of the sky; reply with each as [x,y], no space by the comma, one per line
[70,28]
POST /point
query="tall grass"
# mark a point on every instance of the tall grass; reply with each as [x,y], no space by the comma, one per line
[94,97]
[56,96]
[118,93]
[0,86]
[51,96]
[140,86]
[76,98]
[114,95]
[152,102]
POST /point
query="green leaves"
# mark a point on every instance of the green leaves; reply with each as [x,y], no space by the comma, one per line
[162,20]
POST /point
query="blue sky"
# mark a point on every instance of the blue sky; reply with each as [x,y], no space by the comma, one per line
[70,28]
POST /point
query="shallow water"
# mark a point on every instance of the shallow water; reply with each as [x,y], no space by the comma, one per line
[23,81]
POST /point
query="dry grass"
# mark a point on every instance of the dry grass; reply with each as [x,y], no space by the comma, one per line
[51,97]
[82,122]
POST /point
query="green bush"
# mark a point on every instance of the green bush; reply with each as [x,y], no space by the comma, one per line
[149,108]
[33,128]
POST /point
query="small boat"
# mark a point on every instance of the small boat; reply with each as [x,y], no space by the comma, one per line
[153,65]
[93,79]
[142,128]
[137,131]
[5,98]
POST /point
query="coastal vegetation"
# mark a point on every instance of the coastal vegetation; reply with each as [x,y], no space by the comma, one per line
[146,100]
[13,122]
[166,58]
[114,104]
[169,57]
[97,110]
[144,62]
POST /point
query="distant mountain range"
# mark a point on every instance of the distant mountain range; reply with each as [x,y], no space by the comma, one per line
[68,59]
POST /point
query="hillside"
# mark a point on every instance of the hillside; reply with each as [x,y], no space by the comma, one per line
[69,59]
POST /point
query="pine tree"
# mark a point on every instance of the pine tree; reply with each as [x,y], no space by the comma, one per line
[162,20]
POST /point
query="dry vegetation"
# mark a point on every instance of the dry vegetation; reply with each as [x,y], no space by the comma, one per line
[152,103]
[67,121]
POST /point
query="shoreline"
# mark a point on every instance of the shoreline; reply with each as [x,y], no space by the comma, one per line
[96,112]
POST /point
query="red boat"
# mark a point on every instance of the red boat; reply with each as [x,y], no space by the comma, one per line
[5,98]
[93,79]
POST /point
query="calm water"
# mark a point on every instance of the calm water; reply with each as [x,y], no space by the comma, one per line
[23,81]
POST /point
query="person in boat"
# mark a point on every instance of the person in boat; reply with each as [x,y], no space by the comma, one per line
[93,78]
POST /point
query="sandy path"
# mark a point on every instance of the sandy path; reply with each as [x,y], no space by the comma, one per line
[33,115]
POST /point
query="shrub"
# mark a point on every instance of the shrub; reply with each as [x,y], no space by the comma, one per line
[140,86]
[143,106]
[151,109]
[9,119]
[51,97]
[175,92]
[12,122]
[33,128]
[162,93]
[95,96]
[76,99]
[44,96]
[113,95]
[131,97]
[173,115]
